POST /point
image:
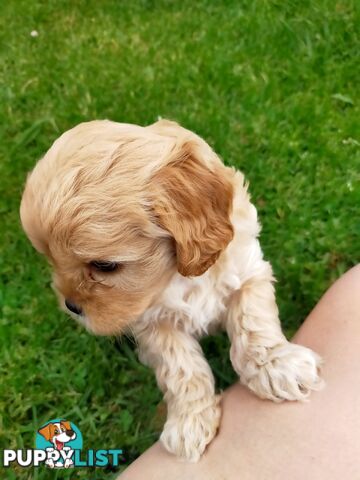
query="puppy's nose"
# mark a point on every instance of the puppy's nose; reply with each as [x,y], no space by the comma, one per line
[73,307]
[70,433]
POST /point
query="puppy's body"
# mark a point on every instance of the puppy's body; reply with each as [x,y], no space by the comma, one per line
[158,202]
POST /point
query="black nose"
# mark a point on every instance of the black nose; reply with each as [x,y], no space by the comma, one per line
[72,307]
[69,433]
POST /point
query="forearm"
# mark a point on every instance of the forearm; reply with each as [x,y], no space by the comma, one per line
[260,439]
[184,376]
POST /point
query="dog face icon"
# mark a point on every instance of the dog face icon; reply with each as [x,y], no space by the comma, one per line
[54,438]
[58,433]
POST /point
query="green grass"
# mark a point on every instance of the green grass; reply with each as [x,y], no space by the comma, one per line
[272,85]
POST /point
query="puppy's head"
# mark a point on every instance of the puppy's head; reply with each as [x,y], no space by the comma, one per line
[118,208]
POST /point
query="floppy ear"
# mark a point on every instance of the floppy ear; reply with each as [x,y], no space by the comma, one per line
[46,431]
[193,203]
[66,424]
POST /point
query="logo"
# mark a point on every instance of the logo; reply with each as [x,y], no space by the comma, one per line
[59,438]
[59,444]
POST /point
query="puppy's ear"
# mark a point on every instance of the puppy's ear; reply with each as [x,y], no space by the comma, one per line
[66,424]
[193,203]
[46,431]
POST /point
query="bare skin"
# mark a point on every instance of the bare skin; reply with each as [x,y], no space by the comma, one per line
[261,440]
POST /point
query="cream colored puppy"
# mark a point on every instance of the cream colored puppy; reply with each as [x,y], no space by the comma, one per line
[148,232]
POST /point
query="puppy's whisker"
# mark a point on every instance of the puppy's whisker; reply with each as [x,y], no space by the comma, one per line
[81,285]
[131,335]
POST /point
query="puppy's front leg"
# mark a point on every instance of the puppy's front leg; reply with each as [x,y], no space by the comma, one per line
[193,411]
[267,363]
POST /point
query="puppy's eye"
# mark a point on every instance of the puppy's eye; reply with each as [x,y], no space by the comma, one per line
[103,266]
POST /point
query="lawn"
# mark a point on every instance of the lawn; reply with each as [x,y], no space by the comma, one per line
[271,85]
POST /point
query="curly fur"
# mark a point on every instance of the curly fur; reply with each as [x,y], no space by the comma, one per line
[160,202]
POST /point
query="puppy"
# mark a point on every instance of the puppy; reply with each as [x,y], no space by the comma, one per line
[148,232]
[58,433]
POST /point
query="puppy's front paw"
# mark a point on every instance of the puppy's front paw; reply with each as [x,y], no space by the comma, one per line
[186,435]
[285,372]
